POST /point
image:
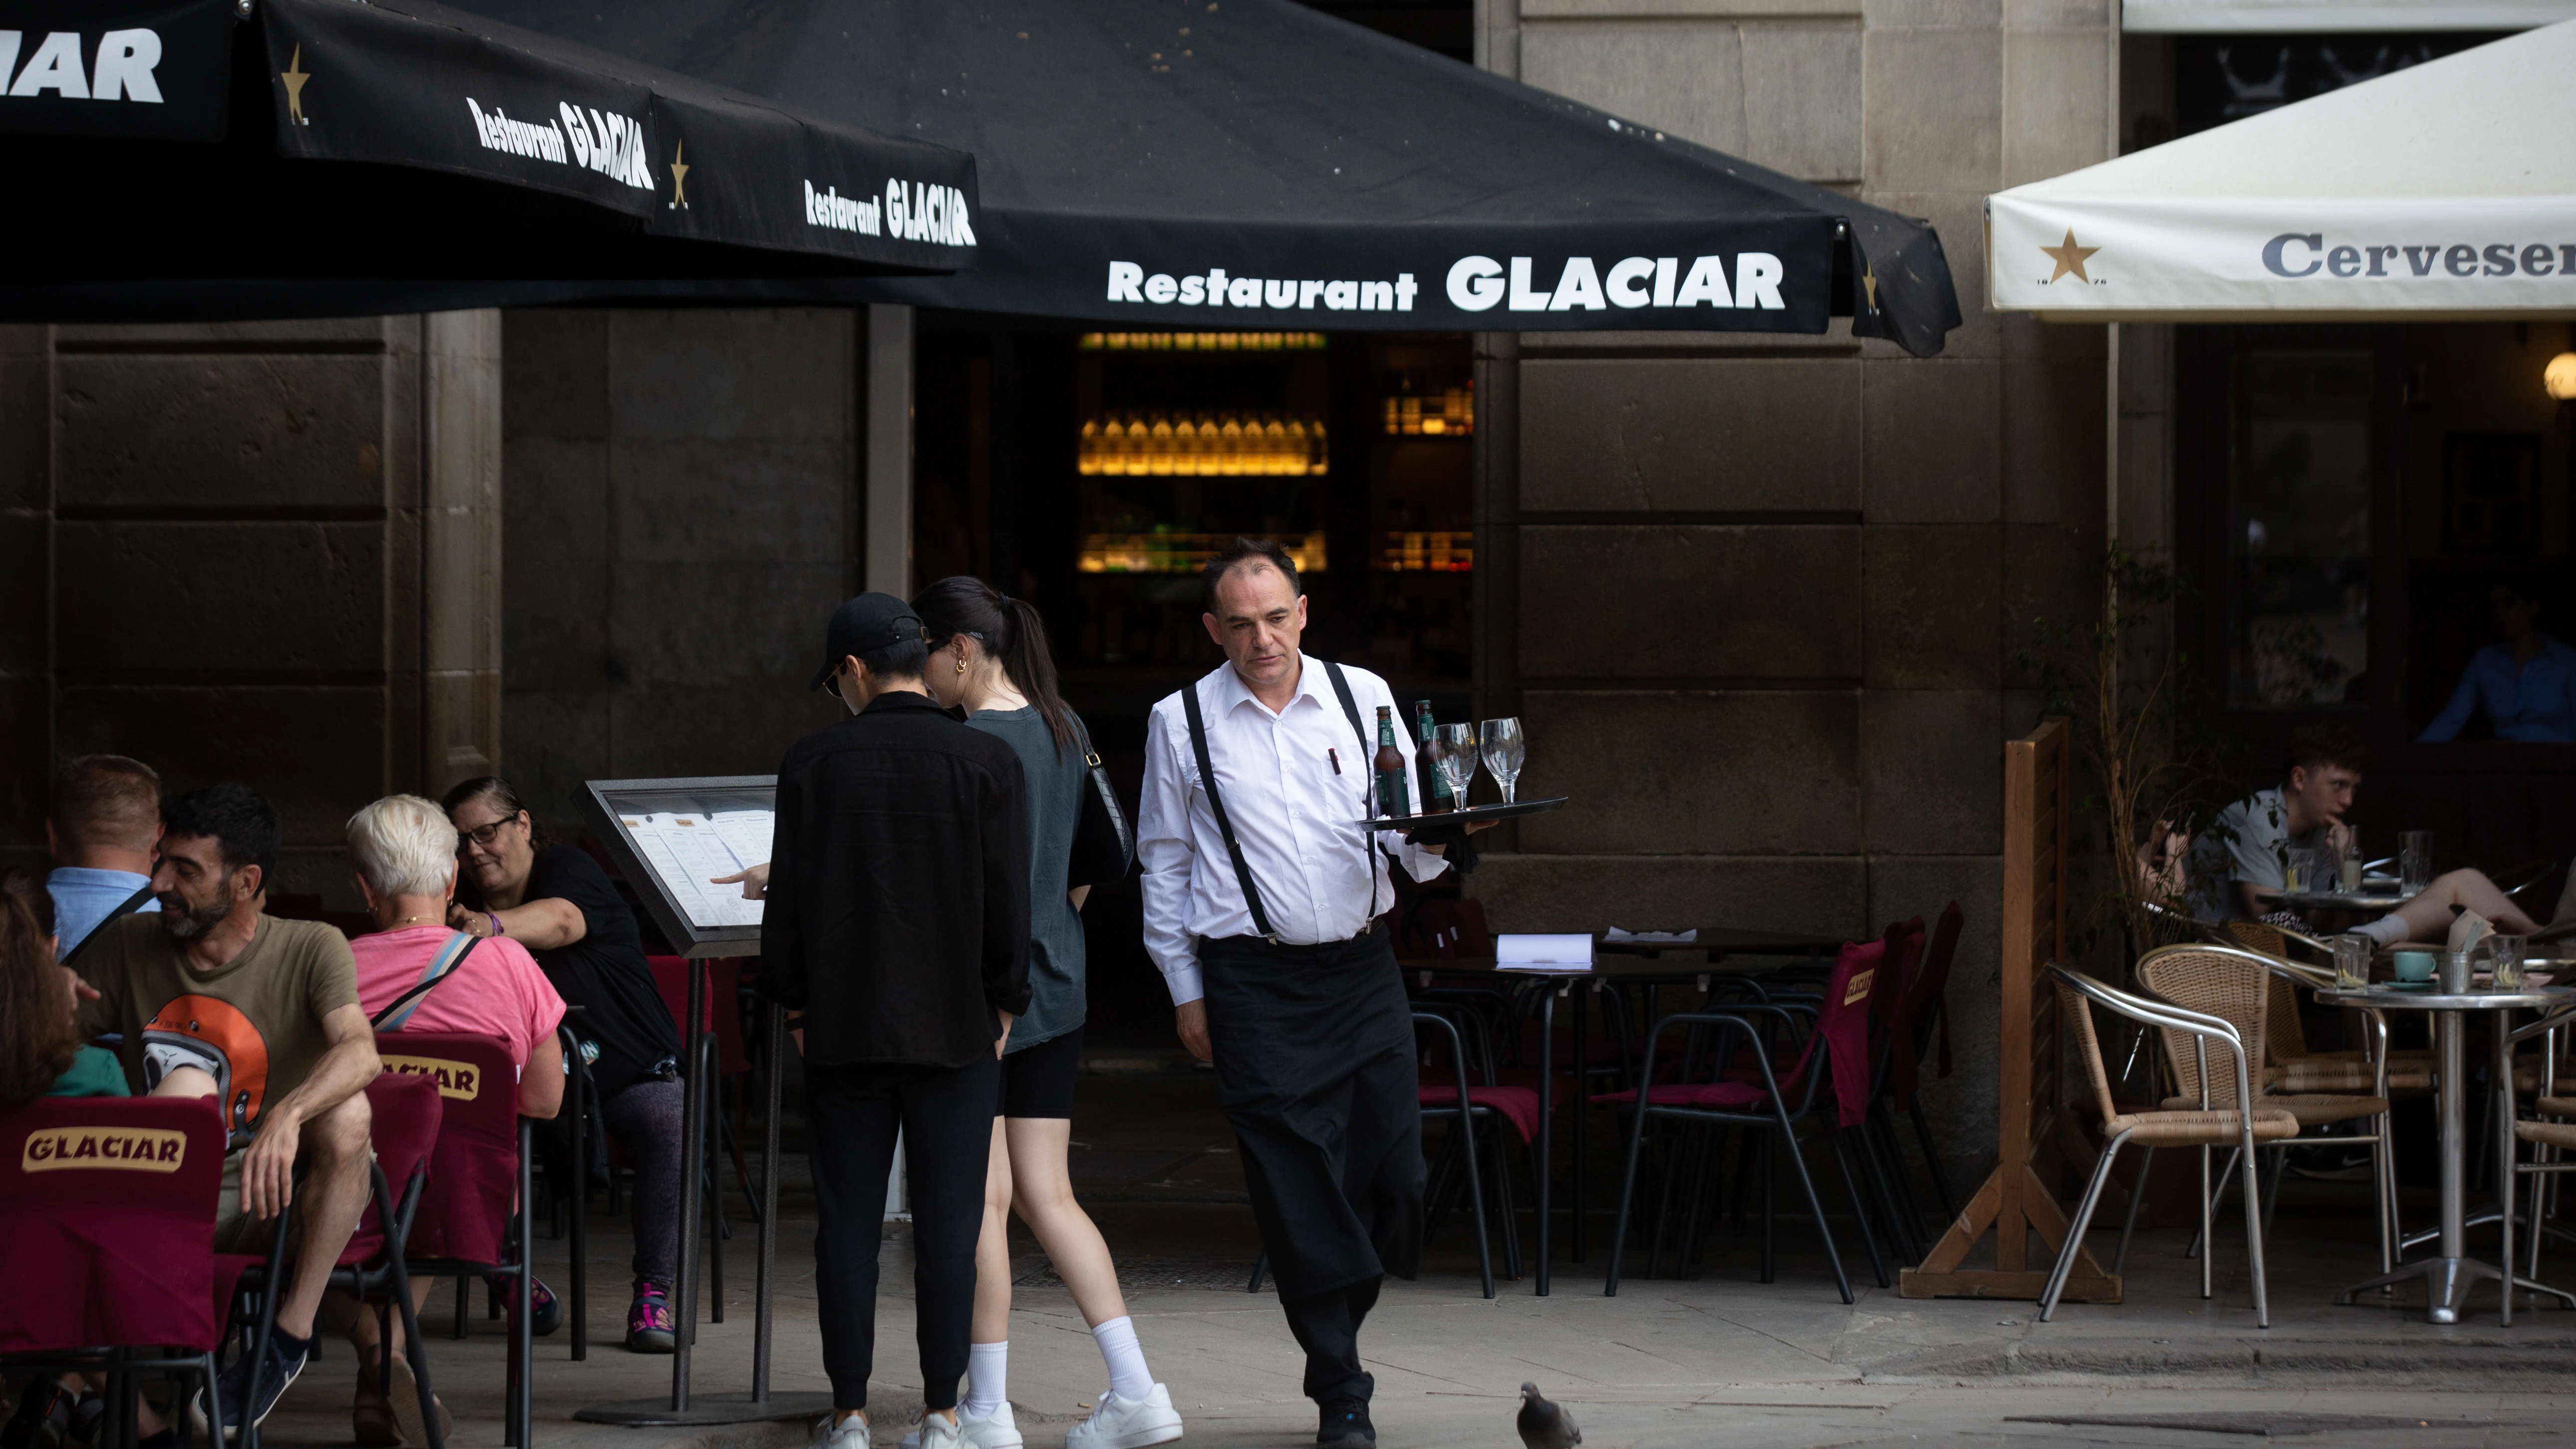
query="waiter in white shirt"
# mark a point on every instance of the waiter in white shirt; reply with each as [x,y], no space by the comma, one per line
[1263,893]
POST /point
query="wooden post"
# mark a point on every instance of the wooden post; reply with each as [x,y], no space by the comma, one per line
[2029,1112]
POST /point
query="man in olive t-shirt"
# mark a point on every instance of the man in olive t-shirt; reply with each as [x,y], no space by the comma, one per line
[213,998]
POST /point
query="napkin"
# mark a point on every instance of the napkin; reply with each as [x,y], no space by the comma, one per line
[2468,929]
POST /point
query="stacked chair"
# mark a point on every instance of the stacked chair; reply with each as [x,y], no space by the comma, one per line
[1729,1079]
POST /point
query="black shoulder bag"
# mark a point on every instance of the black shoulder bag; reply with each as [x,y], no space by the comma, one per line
[124,908]
[1104,844]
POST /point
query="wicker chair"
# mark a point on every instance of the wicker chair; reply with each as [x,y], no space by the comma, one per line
[2203,1127]
[2552,1141]
[2236,985]
[2295,1068]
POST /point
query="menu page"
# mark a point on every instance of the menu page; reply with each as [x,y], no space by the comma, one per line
[688,849]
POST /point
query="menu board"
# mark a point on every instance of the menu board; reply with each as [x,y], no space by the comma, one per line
[672,838]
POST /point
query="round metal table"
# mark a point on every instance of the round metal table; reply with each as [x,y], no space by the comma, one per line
[2337,900]
[2450,1272]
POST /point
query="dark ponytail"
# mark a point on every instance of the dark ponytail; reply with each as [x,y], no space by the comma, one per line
[1009,629]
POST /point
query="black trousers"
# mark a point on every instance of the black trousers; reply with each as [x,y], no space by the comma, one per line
[946,1117]
[1314,1065]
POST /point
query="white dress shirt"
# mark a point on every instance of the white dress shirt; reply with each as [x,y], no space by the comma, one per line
[1295,817]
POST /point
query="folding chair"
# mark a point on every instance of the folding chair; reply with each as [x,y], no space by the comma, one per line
[107,1234]
[472,1218]
[405,1114]
[1823,1091]
[1473,1104]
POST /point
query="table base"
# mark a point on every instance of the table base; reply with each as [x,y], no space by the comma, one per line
[2447,1282]
[707,1409]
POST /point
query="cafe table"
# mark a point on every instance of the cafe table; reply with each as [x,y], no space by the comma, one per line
[1620,968]
[2450,1272]
[2365,899]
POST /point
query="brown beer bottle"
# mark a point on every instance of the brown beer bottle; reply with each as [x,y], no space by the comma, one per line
[1392,798]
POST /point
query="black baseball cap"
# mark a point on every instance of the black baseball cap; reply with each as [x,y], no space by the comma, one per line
[863,626]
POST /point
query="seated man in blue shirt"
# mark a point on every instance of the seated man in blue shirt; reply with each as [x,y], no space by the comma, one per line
[102,829]
[2526,682]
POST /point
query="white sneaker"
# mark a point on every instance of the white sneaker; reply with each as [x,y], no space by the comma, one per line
[1127,1423]
[997,1430]
[849,1433]
[937,1433]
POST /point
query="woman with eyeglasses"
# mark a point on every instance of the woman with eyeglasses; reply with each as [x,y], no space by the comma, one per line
[989,658]
[556,901]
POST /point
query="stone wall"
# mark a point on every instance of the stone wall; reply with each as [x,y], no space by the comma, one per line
[265,552]
[1757,597]
[681,520]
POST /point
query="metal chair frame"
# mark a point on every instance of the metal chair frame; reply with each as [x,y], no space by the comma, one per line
[2203,1029]
[1777,1118]
[2378,1138]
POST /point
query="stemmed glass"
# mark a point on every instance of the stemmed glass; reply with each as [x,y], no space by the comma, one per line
[1504,752]
[1455,750]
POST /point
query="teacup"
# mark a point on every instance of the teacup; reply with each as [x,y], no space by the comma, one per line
[2414,965]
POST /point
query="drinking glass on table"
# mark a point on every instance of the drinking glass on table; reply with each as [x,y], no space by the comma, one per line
[2352,961]
[1504,751]
[2414,861]
[2300,875]
[1456,744]
[2348,868]
[2505,957]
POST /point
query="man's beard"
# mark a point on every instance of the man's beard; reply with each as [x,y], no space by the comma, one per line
[185,923]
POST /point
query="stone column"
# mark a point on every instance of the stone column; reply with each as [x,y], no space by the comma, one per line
[888,560]
[460,554]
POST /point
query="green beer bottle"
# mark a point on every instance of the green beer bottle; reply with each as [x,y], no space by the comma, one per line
[1435,785]
[1391,796]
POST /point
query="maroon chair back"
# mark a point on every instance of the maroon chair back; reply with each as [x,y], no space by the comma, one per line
[1842,1023]
[107,1223]
[407,1111]
[1923,1004]
[474,1168]
[1887,993]
[724,1006]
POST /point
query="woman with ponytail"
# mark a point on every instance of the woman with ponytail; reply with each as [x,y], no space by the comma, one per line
[989,657]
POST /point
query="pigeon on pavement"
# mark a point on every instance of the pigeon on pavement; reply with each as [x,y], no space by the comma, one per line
[1544,1425]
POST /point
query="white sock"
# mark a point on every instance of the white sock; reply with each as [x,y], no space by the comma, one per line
[987,1374]
[1129,1379]
[2387,930]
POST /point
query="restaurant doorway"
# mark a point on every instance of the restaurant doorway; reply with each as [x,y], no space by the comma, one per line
[1094,472]
[2355,502]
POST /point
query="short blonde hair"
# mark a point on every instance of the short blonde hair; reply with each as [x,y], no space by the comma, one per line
[404,846]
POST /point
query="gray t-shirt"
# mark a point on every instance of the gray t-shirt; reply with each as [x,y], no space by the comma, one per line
[2250,841]
[1056,780]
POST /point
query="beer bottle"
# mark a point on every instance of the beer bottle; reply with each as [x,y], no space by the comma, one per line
[1391,796]
[1435,785]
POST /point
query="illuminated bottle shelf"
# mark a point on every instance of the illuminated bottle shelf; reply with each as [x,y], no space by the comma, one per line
[1207,445]
[1450,412]
[1202,342]
[1439,552]
[1179,553]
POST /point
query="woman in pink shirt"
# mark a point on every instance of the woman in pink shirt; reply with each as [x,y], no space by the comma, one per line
[404,851]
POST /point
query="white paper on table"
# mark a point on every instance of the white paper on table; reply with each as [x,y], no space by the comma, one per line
[1652,938]
[1543,953]
[687,850]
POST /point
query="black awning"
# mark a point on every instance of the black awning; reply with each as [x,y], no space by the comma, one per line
[1254,163]
[228,157]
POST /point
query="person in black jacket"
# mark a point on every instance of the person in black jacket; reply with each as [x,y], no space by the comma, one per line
[898,922]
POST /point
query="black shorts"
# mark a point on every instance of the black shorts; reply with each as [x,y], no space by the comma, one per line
[1038,1082]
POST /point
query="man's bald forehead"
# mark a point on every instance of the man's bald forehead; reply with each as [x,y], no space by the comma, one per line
[1242,590]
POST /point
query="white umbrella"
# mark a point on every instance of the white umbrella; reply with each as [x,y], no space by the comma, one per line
[2444,191]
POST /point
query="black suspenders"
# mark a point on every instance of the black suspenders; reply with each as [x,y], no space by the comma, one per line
[1216,802]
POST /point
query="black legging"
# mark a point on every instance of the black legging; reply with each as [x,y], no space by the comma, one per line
[946,1117]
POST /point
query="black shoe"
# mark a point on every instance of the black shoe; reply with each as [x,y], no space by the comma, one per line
[89,1418]
[545,1310]
[1346,1425]
[284,1363]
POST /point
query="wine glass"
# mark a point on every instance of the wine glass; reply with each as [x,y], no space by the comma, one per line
[1504,752]
[1456,752]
